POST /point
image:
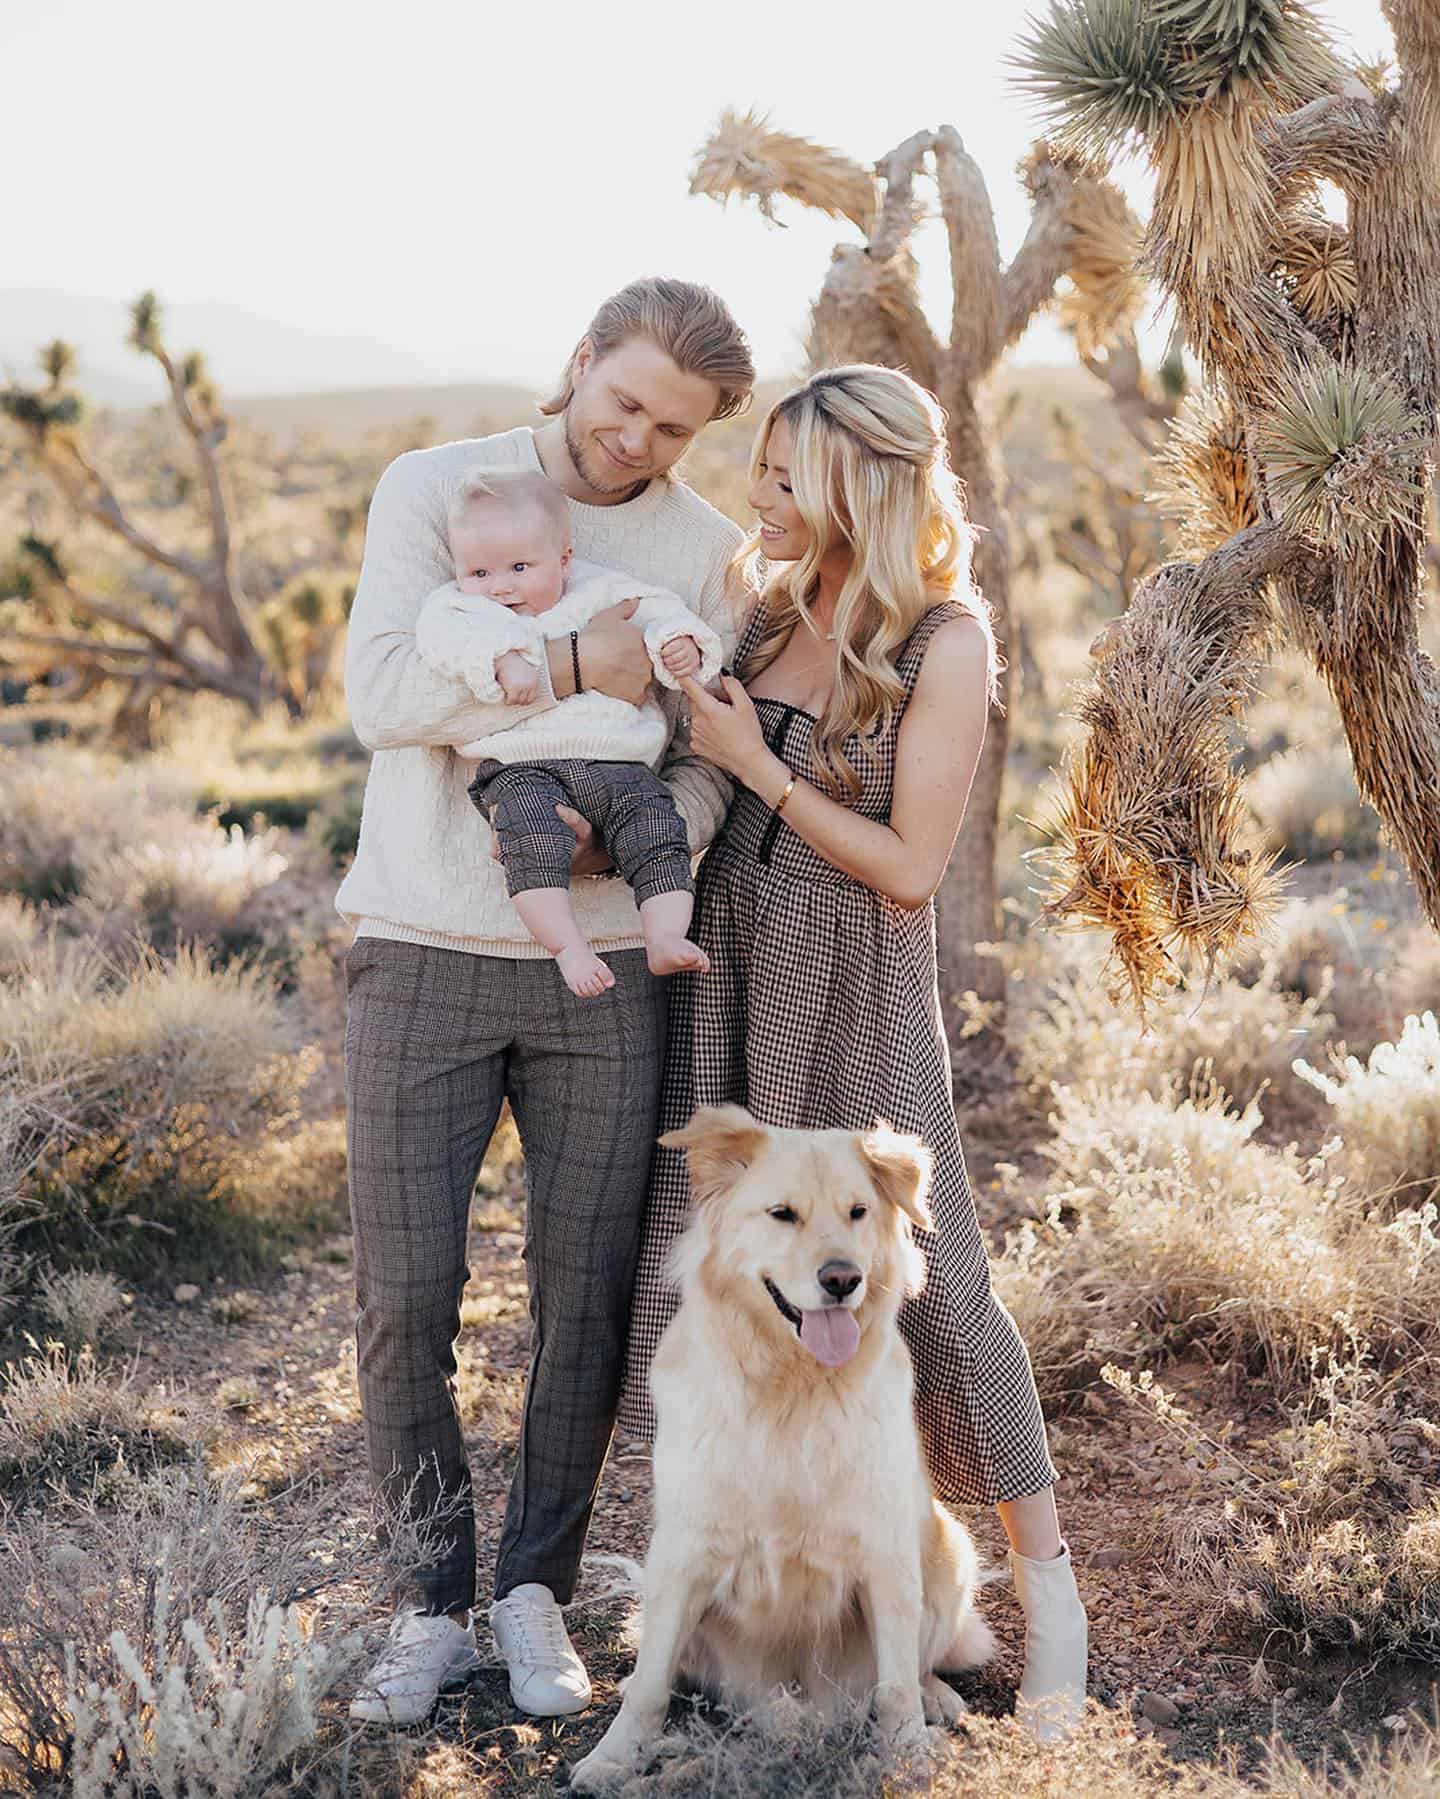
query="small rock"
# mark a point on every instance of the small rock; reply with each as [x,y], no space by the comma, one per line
[1290,1693]
[186,1292]
[1143,1727]
[1168,1737]
[1109,1558]
[1159,1710]
[1395,1721]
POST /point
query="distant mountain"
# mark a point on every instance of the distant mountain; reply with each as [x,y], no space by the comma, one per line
[248,353]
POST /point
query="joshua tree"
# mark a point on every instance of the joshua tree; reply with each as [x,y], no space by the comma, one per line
[868,310]
[201,640]
[1300,472]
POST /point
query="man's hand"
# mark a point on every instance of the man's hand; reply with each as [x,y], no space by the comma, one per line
[519,680]
[613,657]
[681,657]
[589,857]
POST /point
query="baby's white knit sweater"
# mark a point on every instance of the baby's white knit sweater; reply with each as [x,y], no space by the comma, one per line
[423,871]
[464,635]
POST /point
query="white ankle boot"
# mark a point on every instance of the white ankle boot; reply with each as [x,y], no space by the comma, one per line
[1051,1701]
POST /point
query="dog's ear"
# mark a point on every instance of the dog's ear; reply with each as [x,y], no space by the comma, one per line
[722,1142]
[900,1168]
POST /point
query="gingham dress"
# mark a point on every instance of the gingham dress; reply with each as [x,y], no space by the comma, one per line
[821,1009]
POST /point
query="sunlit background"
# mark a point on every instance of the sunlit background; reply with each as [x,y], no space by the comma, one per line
[329,195]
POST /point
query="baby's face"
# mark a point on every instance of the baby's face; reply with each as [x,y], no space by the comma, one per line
[513,557]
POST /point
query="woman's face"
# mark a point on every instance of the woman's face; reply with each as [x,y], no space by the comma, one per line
[784,535]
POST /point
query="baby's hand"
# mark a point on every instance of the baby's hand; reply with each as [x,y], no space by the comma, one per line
[681,657]
[519,680]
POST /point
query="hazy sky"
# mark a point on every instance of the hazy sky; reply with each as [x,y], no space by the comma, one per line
[469,180]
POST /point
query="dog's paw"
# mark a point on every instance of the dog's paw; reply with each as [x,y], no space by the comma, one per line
[598,1773]
[943,1705]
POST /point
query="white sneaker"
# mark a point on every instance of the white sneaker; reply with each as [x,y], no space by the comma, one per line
[423,1657]
[547,1678]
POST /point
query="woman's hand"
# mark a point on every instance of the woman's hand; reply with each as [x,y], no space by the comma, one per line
[727,732]
[613,657]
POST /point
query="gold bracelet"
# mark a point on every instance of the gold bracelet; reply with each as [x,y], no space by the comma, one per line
[779,805]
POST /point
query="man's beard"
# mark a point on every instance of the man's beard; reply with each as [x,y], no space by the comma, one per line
[597,480]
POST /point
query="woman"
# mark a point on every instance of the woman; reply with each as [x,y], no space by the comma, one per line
[868,666]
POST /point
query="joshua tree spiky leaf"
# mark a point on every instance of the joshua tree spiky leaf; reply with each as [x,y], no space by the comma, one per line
[745,156]
[1203,476]
[1313,260]
[145,322]
[1107,289]
[1275,46]
[1344,457]
[1102,73]
[57,362]
[192,369]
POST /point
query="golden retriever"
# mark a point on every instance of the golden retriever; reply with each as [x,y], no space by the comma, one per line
[797,1541]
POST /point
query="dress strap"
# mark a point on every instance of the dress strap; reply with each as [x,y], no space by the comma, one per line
[912,651]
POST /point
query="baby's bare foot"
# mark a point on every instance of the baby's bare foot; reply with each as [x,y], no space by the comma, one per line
[585,974]
[676,955]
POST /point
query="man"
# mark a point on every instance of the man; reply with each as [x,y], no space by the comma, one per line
[454,1008]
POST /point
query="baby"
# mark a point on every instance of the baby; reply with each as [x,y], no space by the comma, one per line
[517,583]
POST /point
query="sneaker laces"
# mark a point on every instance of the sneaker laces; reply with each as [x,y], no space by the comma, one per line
[542,1638]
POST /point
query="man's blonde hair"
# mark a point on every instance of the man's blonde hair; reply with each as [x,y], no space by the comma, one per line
[516,489]
[690,323]
[870,468]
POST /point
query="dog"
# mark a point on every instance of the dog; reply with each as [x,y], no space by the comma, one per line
[797,1542]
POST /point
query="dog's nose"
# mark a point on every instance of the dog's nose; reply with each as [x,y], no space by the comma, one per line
[839,1279]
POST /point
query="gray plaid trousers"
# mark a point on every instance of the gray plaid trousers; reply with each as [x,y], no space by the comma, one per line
[435,1040]
[631,808]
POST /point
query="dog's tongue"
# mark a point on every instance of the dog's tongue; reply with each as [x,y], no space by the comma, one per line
[831,1335]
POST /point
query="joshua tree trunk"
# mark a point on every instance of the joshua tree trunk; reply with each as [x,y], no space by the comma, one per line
[868,310]
[1302,469]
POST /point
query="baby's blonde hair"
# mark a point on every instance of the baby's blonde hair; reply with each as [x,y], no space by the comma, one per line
[517,490]
[869,468]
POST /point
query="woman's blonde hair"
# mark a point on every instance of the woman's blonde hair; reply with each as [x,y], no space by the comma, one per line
[690,323]
[870,468]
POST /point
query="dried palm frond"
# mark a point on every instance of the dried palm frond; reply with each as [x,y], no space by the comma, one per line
[1203,475]
[743,155]
[1313,261]
[1344,457]
[1214,209]
[1107,289]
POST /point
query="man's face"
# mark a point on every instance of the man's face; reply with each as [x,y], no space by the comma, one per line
[633,414]
[513,557]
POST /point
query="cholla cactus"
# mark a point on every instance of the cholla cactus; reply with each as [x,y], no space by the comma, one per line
[868,310]
[1301,476]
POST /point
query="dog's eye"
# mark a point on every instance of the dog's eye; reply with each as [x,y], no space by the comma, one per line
[785,1214]
[858,1212]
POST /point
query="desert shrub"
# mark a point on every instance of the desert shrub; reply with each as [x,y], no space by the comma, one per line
[1241,1037]
[1308,805]
[84,1305]
[187,1641]
[1172,1224]
[21,928]
[63,809]
[1328,1535]
[66,1418]
[139,1096]
[1388,1110]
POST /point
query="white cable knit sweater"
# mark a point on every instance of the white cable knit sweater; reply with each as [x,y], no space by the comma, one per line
[423,871]
[464,635]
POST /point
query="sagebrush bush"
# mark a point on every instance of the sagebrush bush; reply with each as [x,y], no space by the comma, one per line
[1388,1110]
[1309,807]
[83,1305]
[138,1096]
[1328,1534]
[185,1641]
[1243,1038]
[65,1418]
[1171,1224]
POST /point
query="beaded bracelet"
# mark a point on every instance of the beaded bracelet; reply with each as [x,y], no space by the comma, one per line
[575,660]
